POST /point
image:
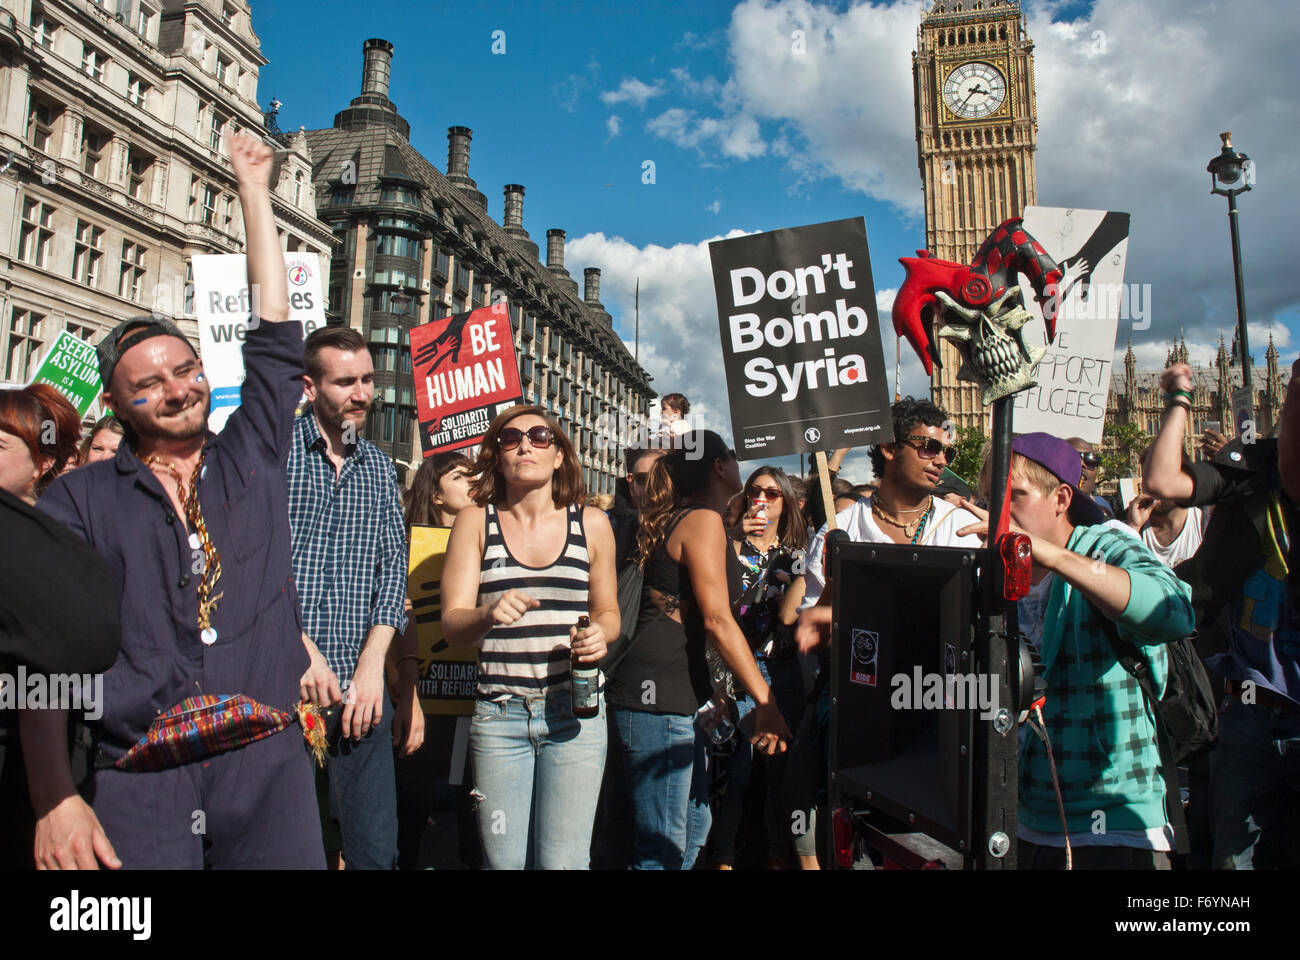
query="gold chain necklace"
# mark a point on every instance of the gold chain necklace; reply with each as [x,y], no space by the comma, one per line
[910,530]
[211,559]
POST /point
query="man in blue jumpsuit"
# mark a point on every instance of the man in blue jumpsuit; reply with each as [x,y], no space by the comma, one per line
[186,629]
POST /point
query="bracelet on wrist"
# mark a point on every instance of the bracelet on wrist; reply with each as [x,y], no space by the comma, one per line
[409,656]
[1178,403]
[1170,394]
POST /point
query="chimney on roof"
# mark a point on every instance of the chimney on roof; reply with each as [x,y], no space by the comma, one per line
[377,67]
[372,108]
[514,218]
[458,152]
[591,285]
[555,250]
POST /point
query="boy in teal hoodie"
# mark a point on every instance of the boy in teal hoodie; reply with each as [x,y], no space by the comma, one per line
[1102,730]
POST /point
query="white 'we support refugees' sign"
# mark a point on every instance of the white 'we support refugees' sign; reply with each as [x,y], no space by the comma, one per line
[223,305]
[1074,374]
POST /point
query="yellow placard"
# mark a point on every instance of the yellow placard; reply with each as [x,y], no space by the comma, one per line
[448,675]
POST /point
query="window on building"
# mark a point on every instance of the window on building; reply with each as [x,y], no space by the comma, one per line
[94,63]
[131,283]
[458,305]
[80,331]
[462,278]
[297,189]
[25,342]
[136,90]
[93,143]
[443,261]
[209,204]
[221,66]
[139,173]
[87,253]
[227,14]
[40,124]
[397,245]
[392,193]
[216,124]
[342,196]
[37,233]
[144,21]
[44,30]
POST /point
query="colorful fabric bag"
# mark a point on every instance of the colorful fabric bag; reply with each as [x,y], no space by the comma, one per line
[203,726]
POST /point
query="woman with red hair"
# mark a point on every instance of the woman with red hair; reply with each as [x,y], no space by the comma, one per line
[39,431]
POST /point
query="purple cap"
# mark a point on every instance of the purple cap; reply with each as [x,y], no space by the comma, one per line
[1063,461]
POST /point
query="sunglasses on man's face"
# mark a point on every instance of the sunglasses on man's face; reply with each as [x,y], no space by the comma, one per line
[539,437]
[1091,460]
[929,447]
[771,493]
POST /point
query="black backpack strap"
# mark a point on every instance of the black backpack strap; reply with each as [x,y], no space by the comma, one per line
[1135,664]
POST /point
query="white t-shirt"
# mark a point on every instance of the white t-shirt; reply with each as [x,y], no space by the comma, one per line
[857,521]
[1184,545]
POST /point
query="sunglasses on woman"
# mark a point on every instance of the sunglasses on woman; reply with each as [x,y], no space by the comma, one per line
[771,493]
[929,447]
[539,437]
[1091,460]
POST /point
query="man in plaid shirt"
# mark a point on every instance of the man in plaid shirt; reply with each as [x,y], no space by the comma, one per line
[1102,730]
[349,565]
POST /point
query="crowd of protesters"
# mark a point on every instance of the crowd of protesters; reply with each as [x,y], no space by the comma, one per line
[260,581]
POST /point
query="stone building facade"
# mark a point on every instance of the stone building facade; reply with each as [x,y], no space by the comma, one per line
[1136,396]
[114,169]
[416,244]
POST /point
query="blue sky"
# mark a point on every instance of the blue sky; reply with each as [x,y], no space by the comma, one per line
[538,118]
[745,136]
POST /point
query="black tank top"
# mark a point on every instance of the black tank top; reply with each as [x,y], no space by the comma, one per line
[664,670]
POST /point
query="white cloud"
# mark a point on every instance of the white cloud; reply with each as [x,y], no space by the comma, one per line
[693,41]
[715,207]
[735,136]
[613,126]
[708,88]
[679,341]
[632,90]
[569,91]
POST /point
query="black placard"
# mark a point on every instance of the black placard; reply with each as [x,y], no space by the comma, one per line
[801,341]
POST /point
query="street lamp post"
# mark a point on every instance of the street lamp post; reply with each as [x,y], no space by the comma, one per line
[1231,174]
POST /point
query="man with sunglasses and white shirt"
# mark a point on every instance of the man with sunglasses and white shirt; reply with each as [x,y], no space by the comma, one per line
[904,508]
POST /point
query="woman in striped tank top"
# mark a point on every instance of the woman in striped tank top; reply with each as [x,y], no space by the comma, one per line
[523,564]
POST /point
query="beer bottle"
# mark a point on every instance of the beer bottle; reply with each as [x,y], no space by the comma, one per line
[586,683]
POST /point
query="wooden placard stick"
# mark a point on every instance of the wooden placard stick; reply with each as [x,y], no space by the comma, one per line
[824,482]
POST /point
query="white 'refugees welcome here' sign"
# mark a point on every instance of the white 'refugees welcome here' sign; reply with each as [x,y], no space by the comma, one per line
[801,340]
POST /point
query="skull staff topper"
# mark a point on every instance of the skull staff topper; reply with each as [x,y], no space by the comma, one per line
[981,308]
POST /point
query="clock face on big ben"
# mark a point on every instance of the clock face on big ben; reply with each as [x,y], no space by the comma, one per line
[974,90]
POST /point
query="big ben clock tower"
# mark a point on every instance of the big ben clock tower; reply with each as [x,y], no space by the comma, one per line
[976,132]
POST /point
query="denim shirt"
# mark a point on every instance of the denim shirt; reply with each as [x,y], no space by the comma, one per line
[122,510]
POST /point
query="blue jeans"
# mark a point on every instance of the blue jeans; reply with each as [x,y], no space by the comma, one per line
[537,771]
[1255,788]
[665,762]
[363,794]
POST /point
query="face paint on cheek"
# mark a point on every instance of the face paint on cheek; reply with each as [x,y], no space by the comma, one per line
[140,403]
[198,378]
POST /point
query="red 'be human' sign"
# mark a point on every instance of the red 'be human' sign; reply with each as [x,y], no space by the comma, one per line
[465,374]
